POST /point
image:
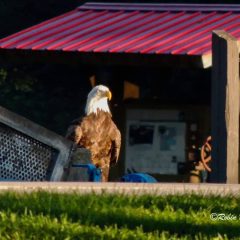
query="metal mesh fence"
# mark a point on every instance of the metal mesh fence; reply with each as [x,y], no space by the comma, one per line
[23,158]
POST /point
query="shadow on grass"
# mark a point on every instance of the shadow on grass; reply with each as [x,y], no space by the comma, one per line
[149,212]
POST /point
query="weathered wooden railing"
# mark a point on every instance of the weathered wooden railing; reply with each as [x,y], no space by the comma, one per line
[29,152]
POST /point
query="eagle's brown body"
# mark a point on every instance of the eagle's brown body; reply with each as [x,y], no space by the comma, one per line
[98,133]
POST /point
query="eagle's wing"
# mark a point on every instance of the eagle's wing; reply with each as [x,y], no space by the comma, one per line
[116,145]
[74,132]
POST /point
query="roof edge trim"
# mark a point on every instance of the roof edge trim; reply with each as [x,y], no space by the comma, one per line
[159,7]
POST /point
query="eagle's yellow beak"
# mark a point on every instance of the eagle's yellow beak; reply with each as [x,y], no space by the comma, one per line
[109,95]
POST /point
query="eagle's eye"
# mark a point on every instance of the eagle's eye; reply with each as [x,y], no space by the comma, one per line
[99,91]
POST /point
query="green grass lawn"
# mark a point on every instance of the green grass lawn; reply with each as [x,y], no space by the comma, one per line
[44,215]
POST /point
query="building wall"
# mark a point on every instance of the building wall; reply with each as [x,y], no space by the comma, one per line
[178,95]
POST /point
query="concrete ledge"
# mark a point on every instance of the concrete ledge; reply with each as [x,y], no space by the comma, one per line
[123,188]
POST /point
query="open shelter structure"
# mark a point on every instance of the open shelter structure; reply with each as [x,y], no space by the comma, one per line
[157,59]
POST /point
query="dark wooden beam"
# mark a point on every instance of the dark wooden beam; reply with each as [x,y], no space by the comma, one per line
[99,59]
[225,108]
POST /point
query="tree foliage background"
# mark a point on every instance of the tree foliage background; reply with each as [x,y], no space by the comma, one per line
[49,94]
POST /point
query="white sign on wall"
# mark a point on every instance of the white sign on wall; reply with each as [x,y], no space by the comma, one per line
[155,146]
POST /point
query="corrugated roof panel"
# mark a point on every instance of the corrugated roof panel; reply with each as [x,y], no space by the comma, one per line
[204,37]
[56,38]
[118,30]
[188,33]
[143,23]
[43,34]
[172,30]
[98,31]
[183,29]
[193,35]
[146,28]
[87,30]
[38,25]
[132,29]
[148,33]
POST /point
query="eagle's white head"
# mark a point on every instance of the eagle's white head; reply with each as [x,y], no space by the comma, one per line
[98,99]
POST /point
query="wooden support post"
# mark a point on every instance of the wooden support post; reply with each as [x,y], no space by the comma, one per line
[225,108]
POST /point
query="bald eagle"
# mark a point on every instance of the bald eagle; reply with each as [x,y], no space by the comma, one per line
[97,132]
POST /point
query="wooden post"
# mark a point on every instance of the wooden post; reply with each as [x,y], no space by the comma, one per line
[225,108]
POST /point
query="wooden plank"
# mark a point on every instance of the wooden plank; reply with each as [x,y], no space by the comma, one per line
[225,108]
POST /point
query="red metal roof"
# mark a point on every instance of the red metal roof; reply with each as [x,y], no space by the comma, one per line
[132,28]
